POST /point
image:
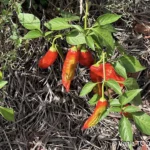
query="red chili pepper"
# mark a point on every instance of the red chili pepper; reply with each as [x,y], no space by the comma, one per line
[98,88]
[69,67]
[86,58]
[49,58]
[101,106]
[110,72]
[94,77]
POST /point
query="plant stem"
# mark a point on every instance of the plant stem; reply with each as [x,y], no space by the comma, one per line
[86,13]
[104,76]
[56,37]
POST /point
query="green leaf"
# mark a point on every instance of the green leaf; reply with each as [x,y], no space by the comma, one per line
[114,85]
[71,18]
[104,114]
[130,84]
[109,28]
[33,34]
[114,102]
[48,33]
[108,18]
[94,99]
[29,21]
[90,42]
[7,113]
[3,83]
[57,24]
[106,38]
[68,16]
[97,40]
[120,69]
[115,109]
[125,130]
[131,64]
[87,88]
[131,109]
[79,28]
[75,38]
[142,122]
[128,96]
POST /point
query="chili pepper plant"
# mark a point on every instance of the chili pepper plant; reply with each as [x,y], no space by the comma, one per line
[92,46]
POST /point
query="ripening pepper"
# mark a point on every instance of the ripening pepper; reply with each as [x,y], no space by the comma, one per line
[98,89]
[85,58]
[49,58]
[94,78]
[100,108]
[110,72]
[69,67]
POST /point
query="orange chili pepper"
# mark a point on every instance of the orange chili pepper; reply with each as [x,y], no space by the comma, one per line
[101,106]
[69,67]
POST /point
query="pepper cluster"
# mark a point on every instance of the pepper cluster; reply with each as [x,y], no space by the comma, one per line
[84,57]
[73,57]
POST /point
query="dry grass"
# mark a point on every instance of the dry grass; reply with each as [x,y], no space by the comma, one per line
[48,118]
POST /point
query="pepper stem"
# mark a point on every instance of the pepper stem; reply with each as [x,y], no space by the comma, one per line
[56,37]
[104,76]
[74,48]
[86,13]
